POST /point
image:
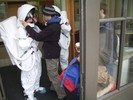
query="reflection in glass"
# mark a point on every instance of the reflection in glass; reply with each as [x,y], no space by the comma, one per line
[3,13]
[113,8]
[108,57]
[127,65]
[76,20]
[130,8]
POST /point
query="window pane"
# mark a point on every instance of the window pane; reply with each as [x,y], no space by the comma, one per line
[127,65]
[130,8]
[108,56]
[3,13]
[112,8]
[76,20]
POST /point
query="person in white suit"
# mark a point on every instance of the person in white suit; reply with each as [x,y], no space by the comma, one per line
[32,77]
[23,50]
[64,41]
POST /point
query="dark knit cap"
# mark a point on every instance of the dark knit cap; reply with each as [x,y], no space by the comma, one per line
[50,11]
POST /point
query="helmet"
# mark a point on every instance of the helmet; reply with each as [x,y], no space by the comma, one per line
[58,11]
[24,10]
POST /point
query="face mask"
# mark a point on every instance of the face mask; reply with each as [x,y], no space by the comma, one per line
[31,24]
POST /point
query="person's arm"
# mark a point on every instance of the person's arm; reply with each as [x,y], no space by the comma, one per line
[40,25]
[42,36]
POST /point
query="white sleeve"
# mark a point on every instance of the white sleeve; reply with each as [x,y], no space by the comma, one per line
[65,27]
[24,41]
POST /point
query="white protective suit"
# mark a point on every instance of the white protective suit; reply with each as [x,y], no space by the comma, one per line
[22,50]
[64,41]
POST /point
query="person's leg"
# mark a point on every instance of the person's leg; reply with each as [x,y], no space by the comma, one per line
[28,81]
[39,72]
[52,69]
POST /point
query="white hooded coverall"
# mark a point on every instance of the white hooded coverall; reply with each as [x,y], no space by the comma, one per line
[64,41]
[22,50]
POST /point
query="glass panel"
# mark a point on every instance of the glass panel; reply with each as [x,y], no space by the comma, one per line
[127,65]
[130,8]
[76,20]
[108,57]
[111,8]
[57,3]
[3,12]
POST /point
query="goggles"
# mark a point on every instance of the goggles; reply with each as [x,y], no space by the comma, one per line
[31,14]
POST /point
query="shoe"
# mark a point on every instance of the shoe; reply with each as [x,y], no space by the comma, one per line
[32,98]
[62,98]
[29,98]
[41,90]
[59,98]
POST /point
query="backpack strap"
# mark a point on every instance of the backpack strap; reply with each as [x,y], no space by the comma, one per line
[73,60]
[64,34]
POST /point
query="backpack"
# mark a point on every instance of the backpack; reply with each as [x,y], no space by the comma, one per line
[70,76]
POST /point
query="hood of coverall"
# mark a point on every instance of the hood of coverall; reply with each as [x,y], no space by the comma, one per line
[64,18]
[58,11]
[23,11]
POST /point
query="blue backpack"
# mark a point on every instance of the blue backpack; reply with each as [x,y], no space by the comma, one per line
[70,76]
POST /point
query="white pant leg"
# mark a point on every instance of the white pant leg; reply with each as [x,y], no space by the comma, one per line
[30,79]
[39,70]
[64,58]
